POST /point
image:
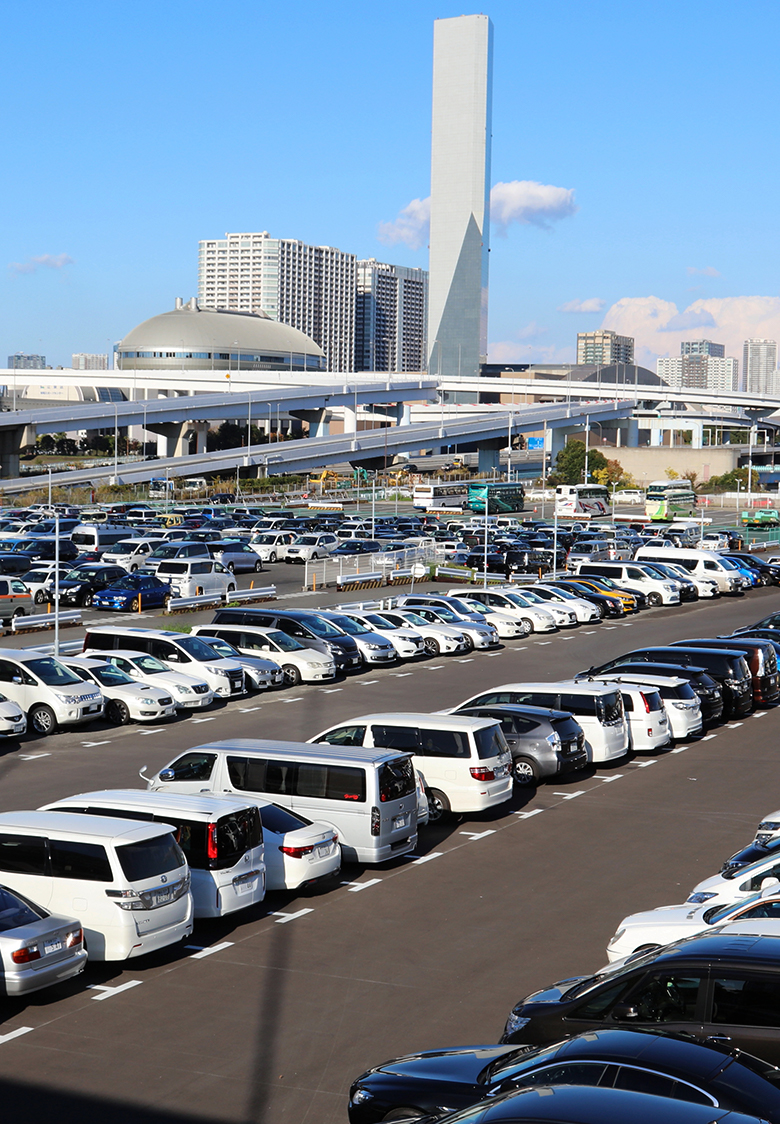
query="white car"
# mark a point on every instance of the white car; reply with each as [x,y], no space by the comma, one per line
[478,635]
[271,545]
[669,923]
[297,851]
[259,674]
[736,885]
[713,540]
[629,495]
[507,627]
[308,548]
[683,708]
[12,719]
[648,722]
[705,587]
[126,699]
[537,616]
[438,639]
[298,663]
[132,553]
[407,642]
[585,611]
[40,579]
[188,692]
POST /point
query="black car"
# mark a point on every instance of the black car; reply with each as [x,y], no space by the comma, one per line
[766,624]
[768,572]
[543,743]
[45,550]
[608,606]
[80,584]
[705,687]
[13,563]
[496,563]
[753,853]
[710,985]
[309,628]
[662,1065]
[729,670]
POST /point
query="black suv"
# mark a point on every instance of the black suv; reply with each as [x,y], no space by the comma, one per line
[707,690]
[312,630]
[80,584]
[709,986]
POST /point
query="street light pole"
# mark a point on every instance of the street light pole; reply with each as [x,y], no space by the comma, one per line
[116,443]
[587,438]
[56,584]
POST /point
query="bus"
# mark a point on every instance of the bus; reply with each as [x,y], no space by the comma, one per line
[438,496]
[572,500]
[488,498]
[667,499]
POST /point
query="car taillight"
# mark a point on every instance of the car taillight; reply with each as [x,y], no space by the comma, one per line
[211,846]
[480,773]
[644,700]
[375,821]
[74,938]
[296,852]
[25,955]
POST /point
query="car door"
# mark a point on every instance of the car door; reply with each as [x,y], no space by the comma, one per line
[743,1010]
[672,1001]
[16,684]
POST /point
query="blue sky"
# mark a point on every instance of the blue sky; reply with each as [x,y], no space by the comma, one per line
[131,131]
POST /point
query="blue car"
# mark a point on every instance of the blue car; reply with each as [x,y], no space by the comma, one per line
[134,592]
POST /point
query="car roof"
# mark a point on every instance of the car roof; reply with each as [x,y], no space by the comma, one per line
[651,680]
[518,708]
[207,805]
[561,684]
[68,823]
[432,721]
[328,753]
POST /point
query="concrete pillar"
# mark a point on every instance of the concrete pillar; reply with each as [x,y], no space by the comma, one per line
[350,419]
[628,433]
[11,441]
[489,455]
[175,439]
[319,421]
[403,413]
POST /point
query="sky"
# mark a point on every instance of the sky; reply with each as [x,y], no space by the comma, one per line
[635,164]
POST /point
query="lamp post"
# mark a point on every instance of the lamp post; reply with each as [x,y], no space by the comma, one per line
[586,474]
[116,443]
[485,544]
[56,584]
[750,468]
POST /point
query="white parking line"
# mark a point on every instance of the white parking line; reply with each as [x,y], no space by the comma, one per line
[89,745]
[283,918]
[527,815]
[107,992]
[297,698]
[32,756]
[249,709]
[709,737]
[425,858]
[542,643]
[608,780]
[591,633]
[200,951]
[680,749]
[571,795]
[212,719]
[330,690]
[567,638]
[367,682]
[15,1033]
[609,627]
[434,666]
[734,725]
[490,655]
[644,764]
[475,835]
[469,659]
[146,733]
[356,887]
[758,714]
[628,624]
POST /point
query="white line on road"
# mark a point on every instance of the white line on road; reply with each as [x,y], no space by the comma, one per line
[367,682]
[212,719]
[426,858]
[680,749]
[571,795]
[402,674]
[356,887]
[758,714]
[475,835]
[32,756]
[609,627]
[709,737]
[591,633]
[468,659]
[107,992]
[734,725]
[567,638]
[542,643]
[15,1033]
[283,918]
[527,815]
[89,745]
[249,709]
[644,764]
[434,666]
[490,655]
[331,690]
[200,951]
[297,698]
[146,733]
[608,780]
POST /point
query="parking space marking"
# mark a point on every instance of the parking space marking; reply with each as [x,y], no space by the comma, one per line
[356,887]
[734,725]
[425,858]
[709,737]
[628,624]
[328,691]
[542,643]
[567,638]
[610,627]
[527,815]
[200,951]
[249,709]
[758,714]
[211,719]
[402,674]
[32,756]
[680,749]
[591,633]
[571,795]
[608,780]
[434,666]
[296,698]
[146,733]
[475,835]
[15,1033]
[367,682]
[468,659]
[89,745]
[107,992]
[644,764]
[283,918]
[490,655]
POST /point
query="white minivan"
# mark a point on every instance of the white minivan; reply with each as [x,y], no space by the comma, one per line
[367,796]
[127,882]
[221,838]
[50,694]
[597,707]
[698,563]
[629,575]
[193,577]
[466,761]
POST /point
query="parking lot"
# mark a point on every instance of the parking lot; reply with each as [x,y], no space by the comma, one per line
[267,1015]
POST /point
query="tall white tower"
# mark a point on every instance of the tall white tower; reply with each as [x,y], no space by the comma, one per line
[460,194]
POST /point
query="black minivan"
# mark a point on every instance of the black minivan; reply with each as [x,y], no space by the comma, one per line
[311,629]
[729,669]
[761,659]
[709,986]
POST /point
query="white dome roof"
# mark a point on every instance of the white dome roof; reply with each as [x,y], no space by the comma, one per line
[206,329]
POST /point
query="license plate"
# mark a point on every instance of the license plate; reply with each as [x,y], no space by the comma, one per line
[399,821]
[18,727]
[51,946]
[245,887]
[161,897]
[355,659]
[323,850]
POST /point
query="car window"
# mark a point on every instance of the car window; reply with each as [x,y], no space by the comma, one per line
[644,1081]
[571,1073]
[193,767]
[665,997]
[396,737]
[447,743]
[346,735]
[85,861]
[23,854]
[16,911]
[745,1000]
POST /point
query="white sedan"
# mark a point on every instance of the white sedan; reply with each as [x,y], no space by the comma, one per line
[585,611]
[271,545]
[308,548]
[12,718]
[126,699]
[507,627]
[408,642]
[439,639]
[297,851]
[298,663]
[657,927]
[736,885]
[187,691]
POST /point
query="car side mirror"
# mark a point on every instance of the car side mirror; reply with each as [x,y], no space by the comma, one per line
[17,679]
[167,775]
[769,885]
[620,1012]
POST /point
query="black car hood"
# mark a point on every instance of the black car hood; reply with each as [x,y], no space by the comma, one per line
[462,1065]
[551,994]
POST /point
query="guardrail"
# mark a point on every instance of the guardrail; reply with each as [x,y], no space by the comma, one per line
[64,648]
[266,593]
[186,604]
[69,619]
[360,581]
[470,577]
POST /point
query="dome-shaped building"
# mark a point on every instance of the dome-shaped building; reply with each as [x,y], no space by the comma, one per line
[216,339]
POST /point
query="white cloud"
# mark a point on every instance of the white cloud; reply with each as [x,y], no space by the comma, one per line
[592,304]
[411,226]
[513,351]
[528,202]
[522,201]
[708,271]
[659,327]
[46,261]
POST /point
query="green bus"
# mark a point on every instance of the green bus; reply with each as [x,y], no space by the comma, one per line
[669,499]
[495,498]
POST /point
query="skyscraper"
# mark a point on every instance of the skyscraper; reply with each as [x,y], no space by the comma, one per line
[83,361]
[703,347]
[460,194]
[604,348]
[390,317]
[22,362]
[759,365]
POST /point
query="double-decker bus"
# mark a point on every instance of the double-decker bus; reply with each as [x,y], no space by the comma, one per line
[668,499]
[572,500]
[488,498]
[438,497]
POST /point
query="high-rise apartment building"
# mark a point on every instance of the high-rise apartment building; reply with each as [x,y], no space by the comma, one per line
[759,367]
[699,371]
[604,348]
[391,308]
[311,288]
[460,194]
[703,347]
[21,362]
[85,362]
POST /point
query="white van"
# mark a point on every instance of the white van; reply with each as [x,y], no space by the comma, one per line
[625,574]
[50,694]
[466,761]
[683,708]
[221,838]
[648,722]
[89,537]
[698,563]
[192,577]
[367,796]
[131,553]
[127,883]
[597,707]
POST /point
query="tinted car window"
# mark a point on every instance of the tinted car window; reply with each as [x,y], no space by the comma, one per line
[193,767]
[331,782]
[665,997]
[745,1001]
[23,854]
[258,774]
[444,743]
[643,1081]
[87,861]
[149,858]
[396,737]
[396,779]
[571,1073]
[281,820]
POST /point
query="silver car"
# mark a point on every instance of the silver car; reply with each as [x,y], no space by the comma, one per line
[374,647]
[259,674]
[37,948]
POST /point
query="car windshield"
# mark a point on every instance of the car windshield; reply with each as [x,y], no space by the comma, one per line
[490,742]
[108,675]
[16,911]
[51,672]
[610,972]
[350,626]
[508,1064]
[720,913]
[132,581]
[149,665]
[306,540]
[285,643]
[127,546]
[382,624]
[263,540]
[532,596]
[322,627]
[445,614]
[169,551]
[149,858]
[221,648]
[412,618]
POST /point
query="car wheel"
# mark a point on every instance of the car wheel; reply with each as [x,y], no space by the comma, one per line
[469,642]
[87,600]
[18,613]
[258,566]
[314,556]
[133,568]
[654,599]
[528,625]
[117,712]
[42,719]
[292,675]
[525,771]
[432,646]
[438,805]
[40,597]
[135,605]
[272,556]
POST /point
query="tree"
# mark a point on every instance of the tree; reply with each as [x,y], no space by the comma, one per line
[613,473]
[729,480]
[570,464]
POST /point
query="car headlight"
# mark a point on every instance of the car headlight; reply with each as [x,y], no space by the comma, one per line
[360,1096]
[697,899]
[515,1022]
[69,699]
[217,671]
[620,933]
[182,690]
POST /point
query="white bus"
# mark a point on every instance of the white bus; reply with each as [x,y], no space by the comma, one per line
[438,496]
[572,500]
[668,499]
